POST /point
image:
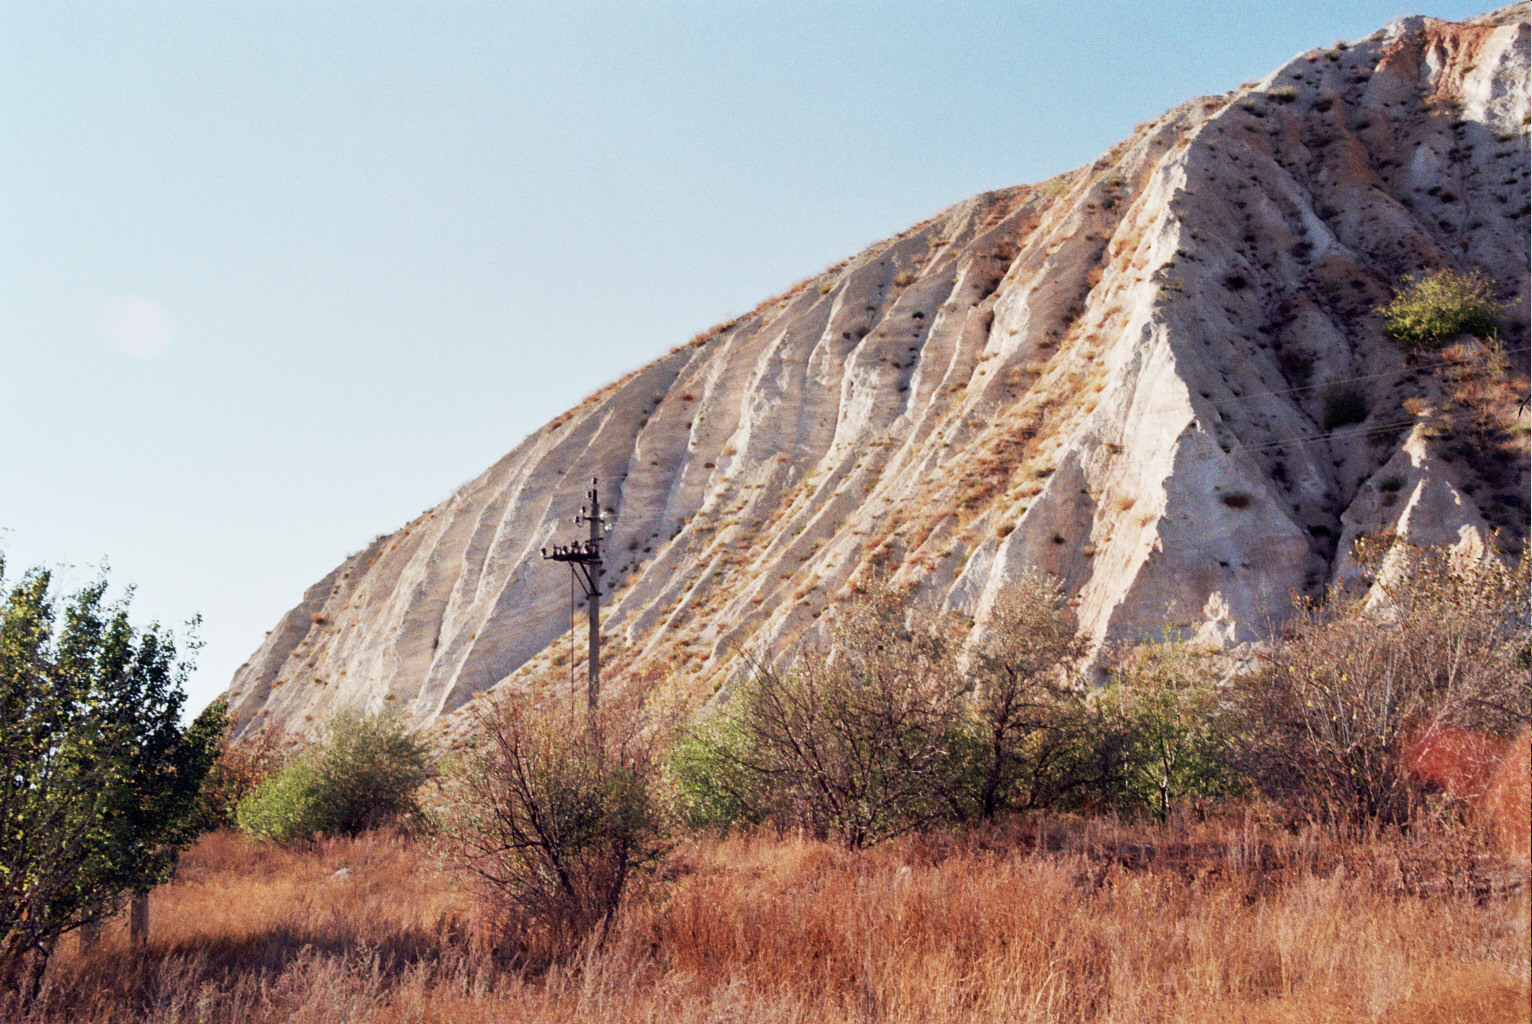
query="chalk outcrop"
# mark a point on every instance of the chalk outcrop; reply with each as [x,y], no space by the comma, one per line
[1160,377]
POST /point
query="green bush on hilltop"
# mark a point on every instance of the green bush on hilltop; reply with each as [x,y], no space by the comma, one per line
[1430,311]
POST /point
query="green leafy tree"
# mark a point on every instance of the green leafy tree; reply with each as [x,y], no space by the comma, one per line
[98,779]
[1162,712]
[363,774]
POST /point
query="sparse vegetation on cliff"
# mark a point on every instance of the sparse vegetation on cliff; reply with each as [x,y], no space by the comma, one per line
[1431,310]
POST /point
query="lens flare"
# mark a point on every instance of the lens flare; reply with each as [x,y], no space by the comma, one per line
[137,327]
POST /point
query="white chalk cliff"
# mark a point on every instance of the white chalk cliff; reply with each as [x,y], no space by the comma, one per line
[1160,377]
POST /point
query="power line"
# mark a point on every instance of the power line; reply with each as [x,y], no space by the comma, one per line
[1330,383]
[1382,428]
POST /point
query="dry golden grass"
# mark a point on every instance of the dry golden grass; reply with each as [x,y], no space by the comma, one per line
[1047,920]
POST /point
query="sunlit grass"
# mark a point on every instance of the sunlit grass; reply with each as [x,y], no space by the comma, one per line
[1042,920]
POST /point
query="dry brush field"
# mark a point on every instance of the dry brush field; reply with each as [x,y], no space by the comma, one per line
[1235,918]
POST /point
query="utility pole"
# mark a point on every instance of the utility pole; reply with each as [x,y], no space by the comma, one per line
[584,558]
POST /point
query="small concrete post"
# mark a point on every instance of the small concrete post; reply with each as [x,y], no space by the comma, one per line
[90,934]
[138,919]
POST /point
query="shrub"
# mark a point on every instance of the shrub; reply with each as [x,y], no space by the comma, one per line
[1026,731]
[550,824]
[286,807]
[892,726]
[1430,311]
[1343,407]
[237,771]
[362,775]
[709,772]
[1326,722]
[856,740]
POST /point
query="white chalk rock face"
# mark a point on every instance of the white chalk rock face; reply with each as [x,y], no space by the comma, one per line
[1161,377]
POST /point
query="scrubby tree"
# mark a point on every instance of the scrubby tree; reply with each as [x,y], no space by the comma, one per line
[363,774]
[1165,717]
[1027,730]
[1353,681]
[98,779]
[857,738]
[550,821]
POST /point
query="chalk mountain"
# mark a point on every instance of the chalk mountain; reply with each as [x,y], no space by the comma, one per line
[1160,377]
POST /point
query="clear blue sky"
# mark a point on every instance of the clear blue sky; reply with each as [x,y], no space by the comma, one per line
[276,277]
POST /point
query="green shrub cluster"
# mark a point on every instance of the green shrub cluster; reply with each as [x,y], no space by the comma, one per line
[364,773]
[1162,710]
[1430,311]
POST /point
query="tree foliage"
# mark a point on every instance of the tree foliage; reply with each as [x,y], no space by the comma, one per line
[1172,729]
[98,779]
[856,738]
[1028,732]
